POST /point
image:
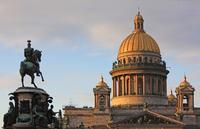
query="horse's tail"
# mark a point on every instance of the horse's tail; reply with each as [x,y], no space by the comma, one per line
[22,66]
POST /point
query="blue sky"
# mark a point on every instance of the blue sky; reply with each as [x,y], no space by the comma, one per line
[80,40]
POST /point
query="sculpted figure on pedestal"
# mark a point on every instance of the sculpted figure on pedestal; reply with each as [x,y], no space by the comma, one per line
[31,64]
[9,117]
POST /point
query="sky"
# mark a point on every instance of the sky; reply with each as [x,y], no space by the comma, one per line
[80,39]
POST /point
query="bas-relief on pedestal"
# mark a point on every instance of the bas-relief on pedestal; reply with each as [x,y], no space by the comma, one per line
[30,107]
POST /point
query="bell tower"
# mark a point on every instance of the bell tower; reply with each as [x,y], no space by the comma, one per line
[185,97]
[102,97]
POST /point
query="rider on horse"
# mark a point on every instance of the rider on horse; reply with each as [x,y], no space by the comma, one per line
[28,53]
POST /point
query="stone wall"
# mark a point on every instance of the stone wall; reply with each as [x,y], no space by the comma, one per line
[86,116]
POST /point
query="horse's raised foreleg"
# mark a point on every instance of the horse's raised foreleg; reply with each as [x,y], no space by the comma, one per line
[41,76]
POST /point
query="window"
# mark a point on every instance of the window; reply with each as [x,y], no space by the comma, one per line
[134,59]
[140,86]
[185,101]
[124,61]
[127,87]
[140,59]
[150,60]
[145,59]
[102,103]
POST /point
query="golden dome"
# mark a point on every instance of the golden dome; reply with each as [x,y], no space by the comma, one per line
[101,83]
[171,97]
[138,41]
[184,83]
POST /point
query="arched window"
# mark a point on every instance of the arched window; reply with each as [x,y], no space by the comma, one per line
[134,59]
[138,25]
[185,102]
[102,103]
[129,60]
[145,59]
[124,61]
[127,87]
[140,86]
[140,59]
[150,60]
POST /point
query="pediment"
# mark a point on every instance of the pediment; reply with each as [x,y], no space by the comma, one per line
[187,89]
[103,89]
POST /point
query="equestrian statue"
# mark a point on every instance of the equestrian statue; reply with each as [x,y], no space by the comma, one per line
[30,65]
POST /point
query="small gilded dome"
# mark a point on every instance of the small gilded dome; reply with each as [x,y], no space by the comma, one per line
[138,41]
[184,83]
[171,97]
[101,83]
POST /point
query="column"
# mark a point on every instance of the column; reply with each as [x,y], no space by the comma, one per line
[96,100]
[136,84]
[165,86]
[114,87]
[190,102]
[108,100]
[118,85]
[156,83]
[123,80]
[144,84]
[150,85]
[129,87]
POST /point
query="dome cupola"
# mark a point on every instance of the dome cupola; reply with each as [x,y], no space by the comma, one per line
[101,83]
[138,42]
[139,74]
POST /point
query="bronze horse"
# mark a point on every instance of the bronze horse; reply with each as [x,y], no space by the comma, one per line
[30,68]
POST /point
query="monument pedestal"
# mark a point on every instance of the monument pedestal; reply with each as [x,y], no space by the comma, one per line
[31,108]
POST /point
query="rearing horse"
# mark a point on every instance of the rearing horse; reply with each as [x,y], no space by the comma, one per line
[30,68]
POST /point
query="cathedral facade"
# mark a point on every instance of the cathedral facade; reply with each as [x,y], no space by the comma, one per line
[139,92]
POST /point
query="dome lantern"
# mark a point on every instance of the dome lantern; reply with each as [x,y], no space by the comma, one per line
[138,22]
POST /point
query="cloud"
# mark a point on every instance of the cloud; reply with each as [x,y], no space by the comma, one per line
[9,81]
[68,23]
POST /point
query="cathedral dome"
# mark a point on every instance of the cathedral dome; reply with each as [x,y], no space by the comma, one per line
[139,74]
[139,41]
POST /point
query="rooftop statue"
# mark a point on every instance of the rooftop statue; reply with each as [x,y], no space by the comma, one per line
[30,65]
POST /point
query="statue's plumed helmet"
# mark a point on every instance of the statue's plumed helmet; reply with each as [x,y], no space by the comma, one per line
[29,43]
